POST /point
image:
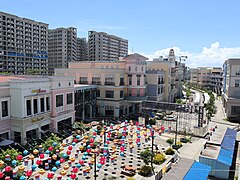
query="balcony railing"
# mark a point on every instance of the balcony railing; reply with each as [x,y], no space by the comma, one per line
[83,82]
[110,83]
[96,83]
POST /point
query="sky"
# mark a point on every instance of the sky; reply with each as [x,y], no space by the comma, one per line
[207,31]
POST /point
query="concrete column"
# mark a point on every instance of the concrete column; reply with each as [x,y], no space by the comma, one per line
[23,136]
[90,111]
[32,106]
[83,112]
[116,111]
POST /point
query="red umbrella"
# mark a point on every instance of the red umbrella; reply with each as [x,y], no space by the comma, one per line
[73,176]
[29,173]
[1,174]
[19,157]
[8,168]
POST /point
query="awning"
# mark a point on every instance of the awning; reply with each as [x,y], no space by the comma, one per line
[6,142]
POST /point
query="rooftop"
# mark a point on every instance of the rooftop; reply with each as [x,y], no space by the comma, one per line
[211,151]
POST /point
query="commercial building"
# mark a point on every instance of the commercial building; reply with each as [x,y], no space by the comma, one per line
[207,77]
[62,47]
[82,49]
[85,101]
[34,105]
[121,85]
[218,152]
[231,87]
[173,75]
[23,45]
[155,85]
[105,47]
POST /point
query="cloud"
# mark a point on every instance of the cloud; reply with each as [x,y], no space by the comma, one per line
[209,56]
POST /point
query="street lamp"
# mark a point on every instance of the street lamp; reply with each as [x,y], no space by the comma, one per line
[152,135]
[178,108]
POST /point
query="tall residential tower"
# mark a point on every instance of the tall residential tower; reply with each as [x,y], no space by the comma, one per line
[105,47]
[23,45]
[62,47]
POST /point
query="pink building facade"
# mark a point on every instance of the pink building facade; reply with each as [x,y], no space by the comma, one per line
[32,106]
[121,85]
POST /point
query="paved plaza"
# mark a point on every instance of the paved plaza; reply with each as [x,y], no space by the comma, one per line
[111,156]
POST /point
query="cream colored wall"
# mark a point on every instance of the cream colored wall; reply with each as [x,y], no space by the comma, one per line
[164,66]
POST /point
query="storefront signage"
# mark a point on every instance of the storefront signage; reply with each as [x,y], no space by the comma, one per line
[38,90]
[37,119]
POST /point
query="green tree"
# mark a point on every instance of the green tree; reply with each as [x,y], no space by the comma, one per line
[146,156]
[49,142]
[13,154]
[170,141]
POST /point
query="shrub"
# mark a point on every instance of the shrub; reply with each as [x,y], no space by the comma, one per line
[169,151]
[170,141]
[159,159]
[130,178]
[145,170]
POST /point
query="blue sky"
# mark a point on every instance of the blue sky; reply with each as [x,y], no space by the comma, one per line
[151,26]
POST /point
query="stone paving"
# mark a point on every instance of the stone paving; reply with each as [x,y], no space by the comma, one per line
[111,168]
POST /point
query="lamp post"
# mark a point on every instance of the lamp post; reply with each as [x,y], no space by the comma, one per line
[95,166]
[152,134]
[178,107]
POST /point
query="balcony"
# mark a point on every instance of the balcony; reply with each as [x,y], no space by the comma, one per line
[136,98]
[109,83]
[83,82]
[96,83]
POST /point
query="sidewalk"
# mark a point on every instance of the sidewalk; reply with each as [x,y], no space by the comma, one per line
[220,115]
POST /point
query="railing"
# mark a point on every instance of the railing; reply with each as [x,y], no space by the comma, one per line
[110,83]
[96,83]
[83,82]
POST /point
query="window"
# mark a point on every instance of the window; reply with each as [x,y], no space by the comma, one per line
[35,106]
[142,68]
[4,108]
[130,80]
[121,81]
[59,100]
[138,79]
[109,94]
[235,110]
[69,98]
[129,68]
[121,94]
[69,84]
[136,68]
[98,93]
[59,84]
[159,90]
[42,104]
[29,108]
[48,103]
[237,83]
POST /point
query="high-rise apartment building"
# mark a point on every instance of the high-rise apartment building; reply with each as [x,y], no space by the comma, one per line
[82,49]
[23,45]
[62,47]
[103,46]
